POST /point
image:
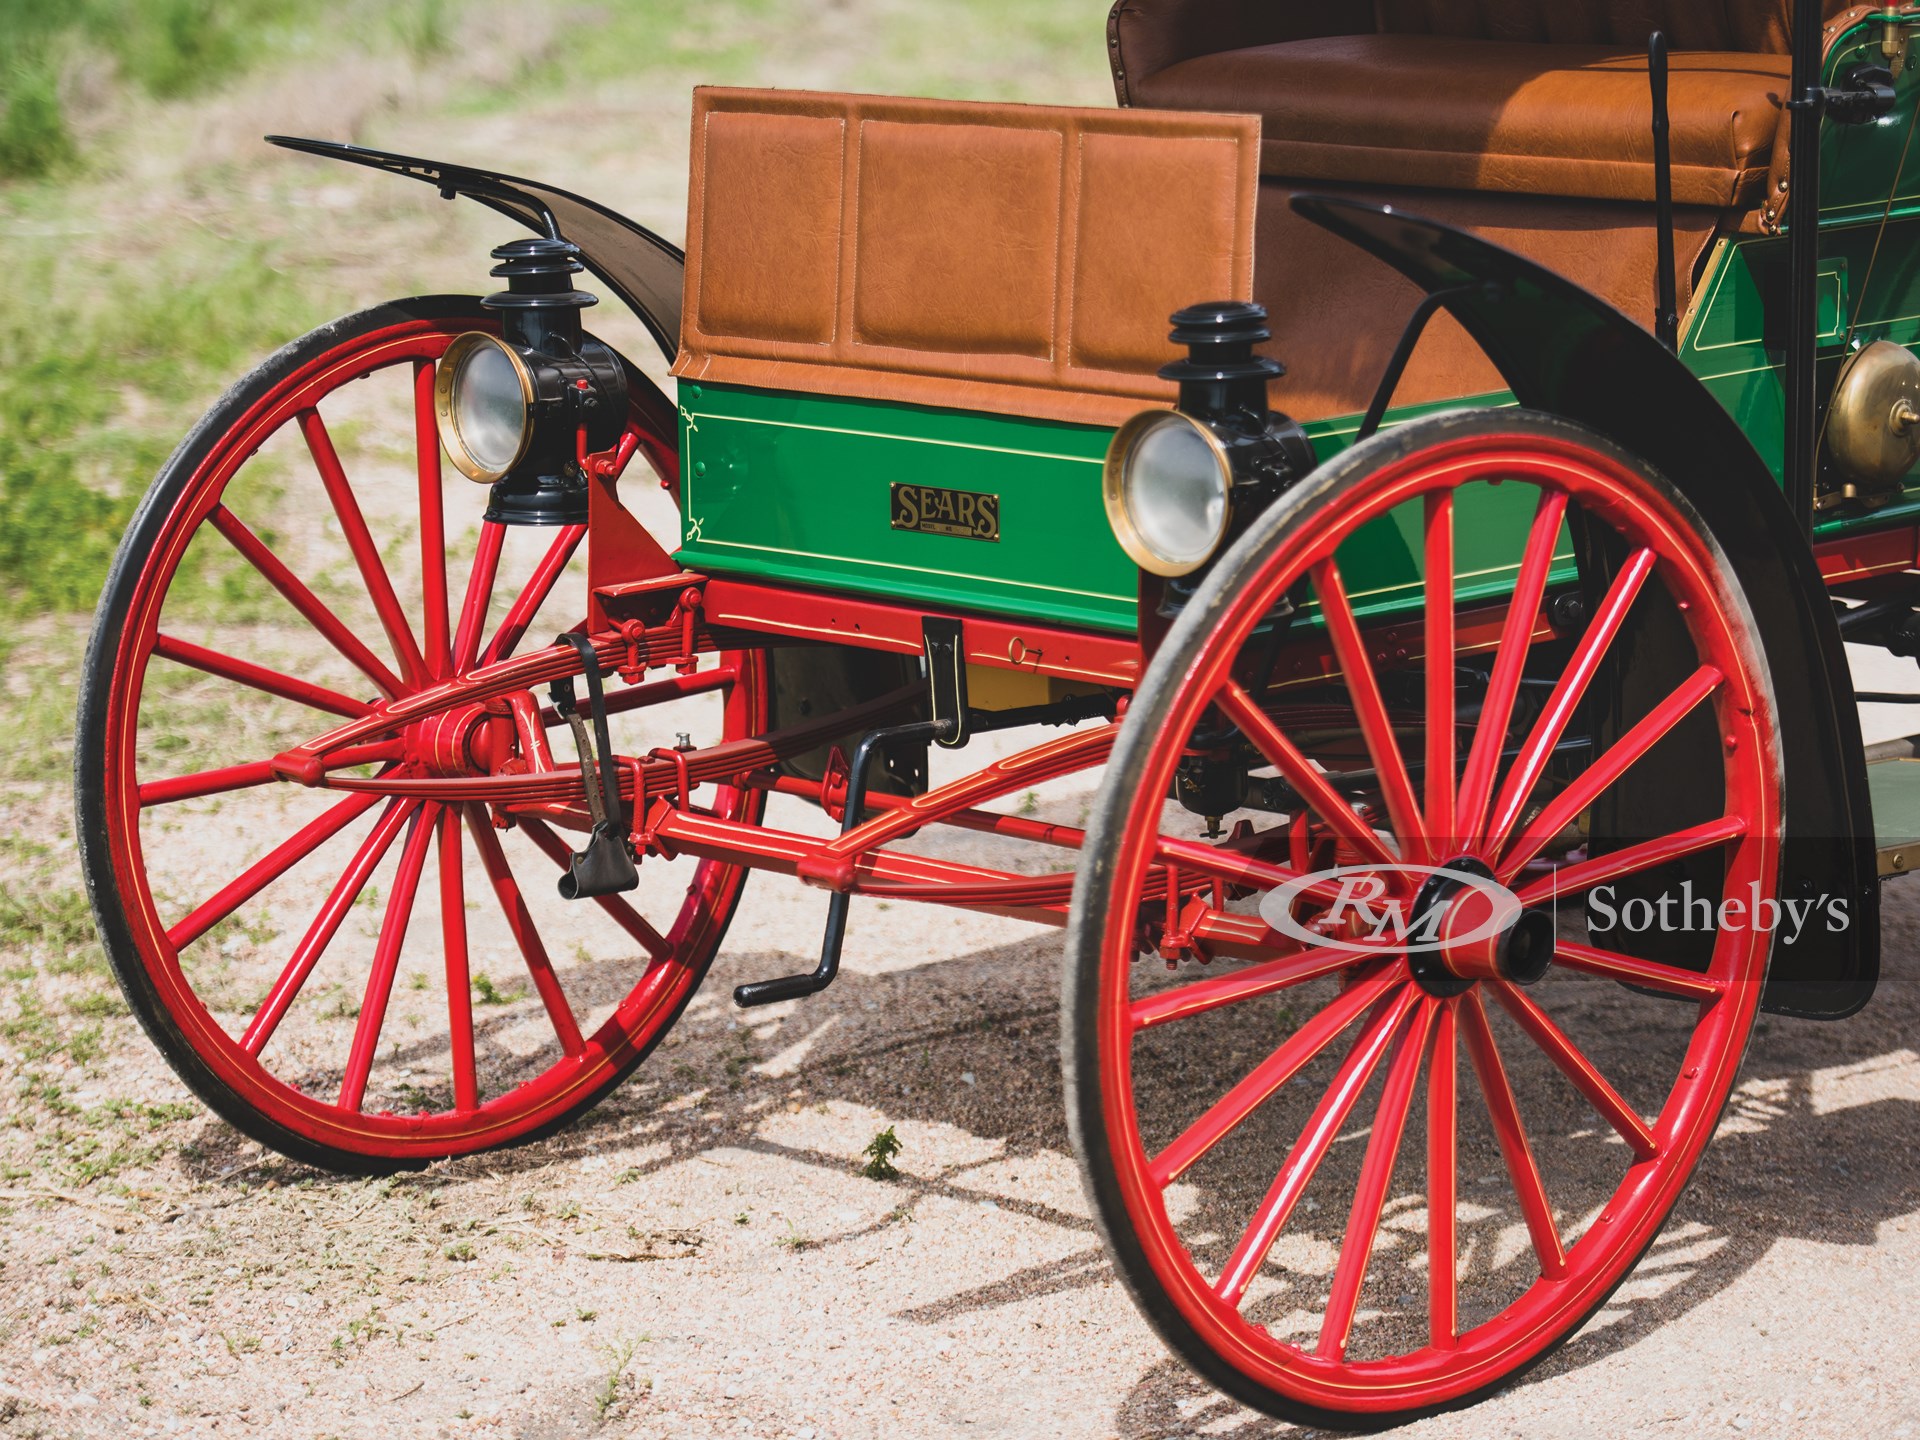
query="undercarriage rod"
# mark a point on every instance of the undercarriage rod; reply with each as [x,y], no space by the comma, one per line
[944,729]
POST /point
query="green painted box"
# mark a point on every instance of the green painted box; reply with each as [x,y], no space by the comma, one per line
[800,488]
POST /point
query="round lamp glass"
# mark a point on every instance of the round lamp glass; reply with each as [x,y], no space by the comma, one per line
[1176,493]
[489,408]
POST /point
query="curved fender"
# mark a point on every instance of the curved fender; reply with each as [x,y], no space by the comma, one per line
[1565,352]
[643,270]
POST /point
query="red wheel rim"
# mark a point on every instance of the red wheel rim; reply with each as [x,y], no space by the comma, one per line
[422,643]
[1328,1343]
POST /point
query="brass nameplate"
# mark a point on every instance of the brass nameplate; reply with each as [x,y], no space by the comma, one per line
[931,510]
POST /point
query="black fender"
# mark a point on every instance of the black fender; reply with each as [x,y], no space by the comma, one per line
[642,270]
[1565,352]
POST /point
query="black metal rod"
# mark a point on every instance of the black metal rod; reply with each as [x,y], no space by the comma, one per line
[1803,263]
[1666,319]
[793,987]
[1402,355]
[1070,711]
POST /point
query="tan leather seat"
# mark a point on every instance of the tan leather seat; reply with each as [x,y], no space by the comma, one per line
[1474,114]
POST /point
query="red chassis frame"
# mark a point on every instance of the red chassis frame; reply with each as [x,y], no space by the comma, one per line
[649,617]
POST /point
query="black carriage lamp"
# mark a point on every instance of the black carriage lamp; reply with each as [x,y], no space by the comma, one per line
[513,409]
[1179,484]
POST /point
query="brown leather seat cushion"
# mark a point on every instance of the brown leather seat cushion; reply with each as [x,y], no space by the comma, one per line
[1464,114]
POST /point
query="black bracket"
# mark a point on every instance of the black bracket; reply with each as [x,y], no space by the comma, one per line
[1428,307]
[1865,94]
[792,987]
[606,866]
[944,641]
[1666,318]
[1070,711]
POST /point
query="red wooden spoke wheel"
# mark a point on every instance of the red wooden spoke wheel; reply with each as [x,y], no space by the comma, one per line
[1315,1203]
[178,723]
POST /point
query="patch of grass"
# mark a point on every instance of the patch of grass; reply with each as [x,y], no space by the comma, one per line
[607,1397]
[492,994]
[880,1152]
[51,919]
[35,140]
[425,29]
[81,350]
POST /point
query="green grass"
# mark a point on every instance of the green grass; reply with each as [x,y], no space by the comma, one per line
[170,50]
[78,347]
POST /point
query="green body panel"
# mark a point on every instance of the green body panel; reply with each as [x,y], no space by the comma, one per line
[1869,277]
[796,487]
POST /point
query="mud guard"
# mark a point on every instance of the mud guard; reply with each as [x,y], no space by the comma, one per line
[1565,352]
[643,270]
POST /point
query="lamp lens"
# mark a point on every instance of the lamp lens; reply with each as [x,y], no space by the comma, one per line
[489,408]
[1176,494]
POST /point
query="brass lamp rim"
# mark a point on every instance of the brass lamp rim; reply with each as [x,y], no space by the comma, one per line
[1113,491]
[446,418]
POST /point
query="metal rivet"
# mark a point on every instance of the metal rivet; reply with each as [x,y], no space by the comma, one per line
[699,467]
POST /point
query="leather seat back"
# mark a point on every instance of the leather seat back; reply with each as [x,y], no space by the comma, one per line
[1753,26]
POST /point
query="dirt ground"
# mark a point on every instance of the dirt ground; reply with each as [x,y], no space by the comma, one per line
[701,1255]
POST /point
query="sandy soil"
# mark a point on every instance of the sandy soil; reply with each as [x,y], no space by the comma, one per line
[701,1255]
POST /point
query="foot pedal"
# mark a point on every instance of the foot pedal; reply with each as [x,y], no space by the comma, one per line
[606,866]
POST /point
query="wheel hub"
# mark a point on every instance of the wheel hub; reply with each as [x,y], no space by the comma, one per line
[1468,927]
[467,740]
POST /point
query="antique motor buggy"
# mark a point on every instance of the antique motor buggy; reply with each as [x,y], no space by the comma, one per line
[1443,631]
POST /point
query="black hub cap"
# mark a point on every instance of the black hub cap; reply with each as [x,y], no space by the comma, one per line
[1523,953]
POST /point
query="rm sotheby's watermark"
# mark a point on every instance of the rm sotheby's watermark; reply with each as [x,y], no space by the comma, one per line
[1363,914]
[1684,912]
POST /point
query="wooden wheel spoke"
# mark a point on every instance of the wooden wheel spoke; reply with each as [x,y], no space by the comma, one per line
[257,772]
[1620,757]
[433,525]
[1376,726]
[1531,763]
[270,867]
[1511,1132]
[525,933]
[386,959]
[1266,1078]
[258,677]
[1516,639]
[1376,1174]
[330,627]
[325,925]
[453,942]
[1303,1160]
[1443,1169]
[1610,965]
[1441,737]
[526,608]
[207,782]
[366,554]
[473,609]
[1264,979]
[1578,879]
[1585,1077]
[657,946]
[1300,773]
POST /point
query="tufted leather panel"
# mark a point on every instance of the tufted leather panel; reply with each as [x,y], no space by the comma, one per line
[1755,26]
[1020,259]
[1567,120]
[1344,88]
